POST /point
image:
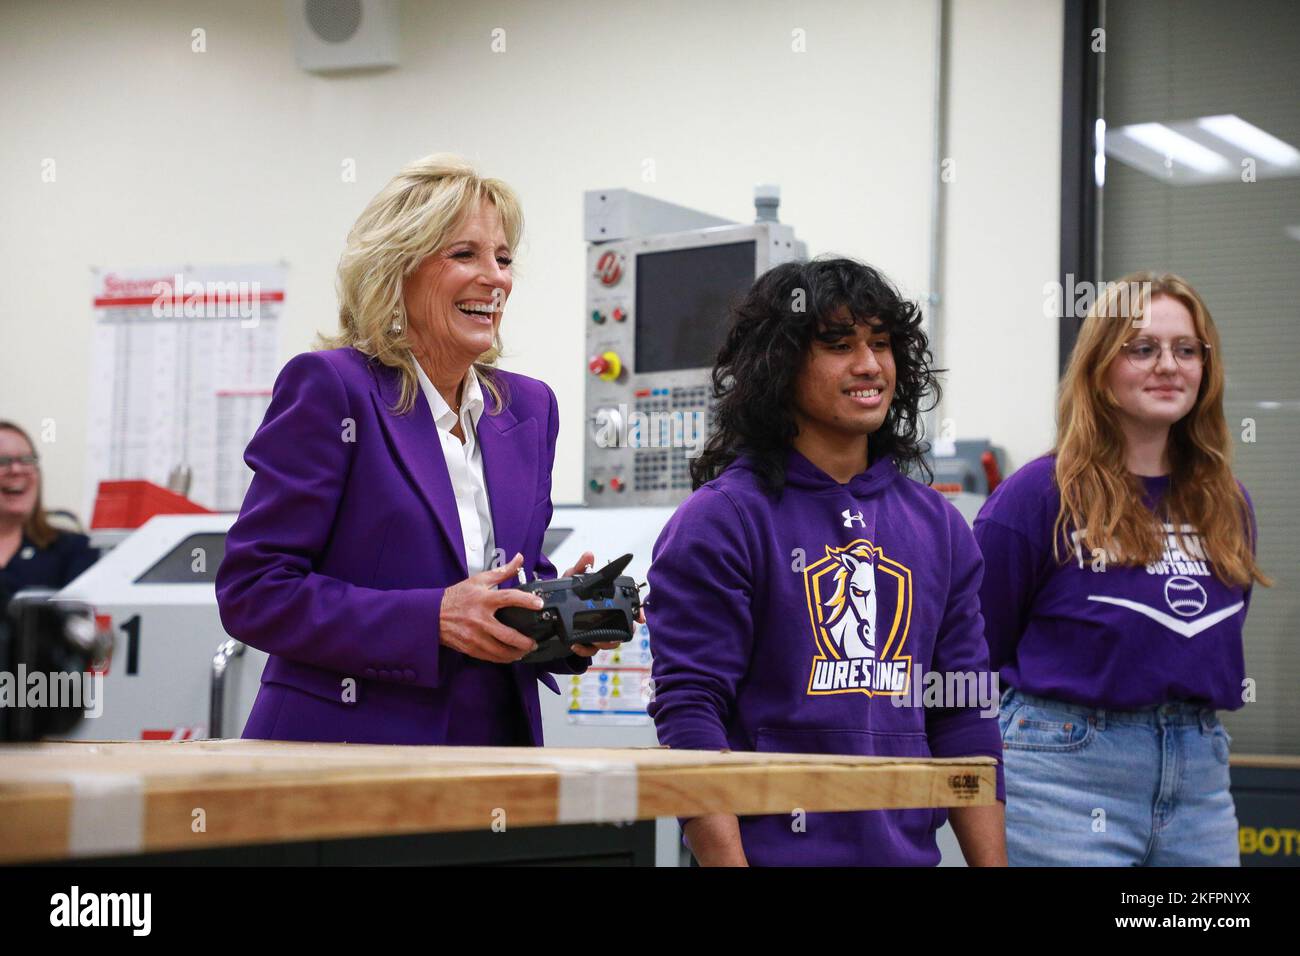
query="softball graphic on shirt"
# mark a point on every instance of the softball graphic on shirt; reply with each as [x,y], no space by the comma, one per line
[859,608]
[1183,561]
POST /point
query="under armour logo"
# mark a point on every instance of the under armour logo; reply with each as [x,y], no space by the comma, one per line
[849,518]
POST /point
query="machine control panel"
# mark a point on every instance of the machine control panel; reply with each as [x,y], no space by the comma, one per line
[657,311]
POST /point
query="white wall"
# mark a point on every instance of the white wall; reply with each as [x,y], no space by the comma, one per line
[1002,236]
[234,155]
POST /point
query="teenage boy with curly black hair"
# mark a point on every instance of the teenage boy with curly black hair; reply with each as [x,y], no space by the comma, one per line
[807,585]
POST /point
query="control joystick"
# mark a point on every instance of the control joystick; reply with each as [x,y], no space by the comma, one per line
[595,607]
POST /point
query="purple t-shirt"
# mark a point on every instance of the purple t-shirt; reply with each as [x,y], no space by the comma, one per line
[792,625]
[1095,632]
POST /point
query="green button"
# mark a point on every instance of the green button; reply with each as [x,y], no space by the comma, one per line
[597,317]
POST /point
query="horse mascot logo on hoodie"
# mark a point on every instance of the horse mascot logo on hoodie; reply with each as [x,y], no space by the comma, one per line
[852,621]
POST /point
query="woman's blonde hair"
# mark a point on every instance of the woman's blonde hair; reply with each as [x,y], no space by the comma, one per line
[37,525]
[411,218]
[1099,497]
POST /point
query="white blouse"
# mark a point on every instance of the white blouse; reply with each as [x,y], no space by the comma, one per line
[465,467]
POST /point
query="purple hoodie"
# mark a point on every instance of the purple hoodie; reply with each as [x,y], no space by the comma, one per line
[1093,632]
[789,625]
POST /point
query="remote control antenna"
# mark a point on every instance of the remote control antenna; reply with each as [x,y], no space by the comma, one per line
[603,578]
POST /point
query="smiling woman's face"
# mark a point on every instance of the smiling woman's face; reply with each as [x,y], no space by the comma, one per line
[455,298]
[19,485]
[1161,395]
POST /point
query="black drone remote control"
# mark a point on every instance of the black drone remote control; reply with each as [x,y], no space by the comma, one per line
[599,606]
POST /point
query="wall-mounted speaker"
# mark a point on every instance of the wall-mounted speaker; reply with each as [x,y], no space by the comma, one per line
[334,36]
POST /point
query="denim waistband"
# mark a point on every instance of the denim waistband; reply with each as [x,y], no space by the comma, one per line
[1167,714]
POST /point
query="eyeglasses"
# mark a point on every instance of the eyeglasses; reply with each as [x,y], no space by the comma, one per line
[23,462]
[1145,353]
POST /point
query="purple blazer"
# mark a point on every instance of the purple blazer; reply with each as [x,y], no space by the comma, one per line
[347,539]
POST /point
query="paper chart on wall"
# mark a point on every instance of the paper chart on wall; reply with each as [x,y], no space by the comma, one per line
[184,361]
[616,687]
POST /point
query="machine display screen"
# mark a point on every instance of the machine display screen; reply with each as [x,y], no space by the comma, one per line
[683,299]
[181,565]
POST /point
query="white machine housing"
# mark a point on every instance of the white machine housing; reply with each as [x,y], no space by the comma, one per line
[607,533]
[157,589]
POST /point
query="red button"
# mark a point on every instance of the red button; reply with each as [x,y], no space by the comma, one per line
[598,366]
[619,315]
[616,484]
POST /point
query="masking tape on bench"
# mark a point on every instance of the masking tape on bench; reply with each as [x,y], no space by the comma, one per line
[107,814]
[596,791]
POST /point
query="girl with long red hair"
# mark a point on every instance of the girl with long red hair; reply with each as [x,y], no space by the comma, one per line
[1118,573]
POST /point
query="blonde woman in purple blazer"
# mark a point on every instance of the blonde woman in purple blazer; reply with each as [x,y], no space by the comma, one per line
[389,471]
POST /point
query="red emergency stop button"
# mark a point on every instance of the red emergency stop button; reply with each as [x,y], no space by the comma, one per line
[606,366]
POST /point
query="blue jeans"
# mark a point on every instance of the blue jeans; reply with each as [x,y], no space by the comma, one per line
[1089,787]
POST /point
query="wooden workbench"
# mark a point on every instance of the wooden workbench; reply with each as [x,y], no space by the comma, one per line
[80,799]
